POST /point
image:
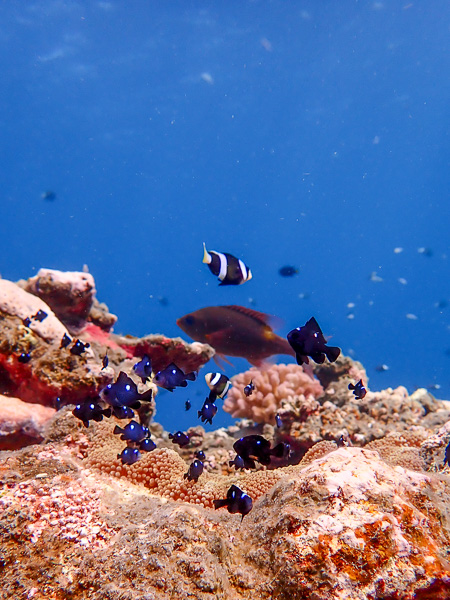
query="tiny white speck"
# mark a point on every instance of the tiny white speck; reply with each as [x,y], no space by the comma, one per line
[412,317]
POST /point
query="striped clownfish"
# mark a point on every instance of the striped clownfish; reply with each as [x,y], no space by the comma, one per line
[219,385]
[229,269]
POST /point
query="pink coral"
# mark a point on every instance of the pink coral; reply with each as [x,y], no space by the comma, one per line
[274,387]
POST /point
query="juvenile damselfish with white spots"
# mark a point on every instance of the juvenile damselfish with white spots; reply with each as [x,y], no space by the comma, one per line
[207,412]
[143,368]
[132,432]
[195,470]
[129,456]
[90,411]
[124,392]
[236,501]
[310,341]
[358,389]
[249,388]
[229,269]
[180,438]
[172,377]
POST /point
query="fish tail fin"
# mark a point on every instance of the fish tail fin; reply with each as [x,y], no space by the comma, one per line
[191,376]
[278,450]
[220,503]
[301,359]
[107,412]
[117,430]
[206,255]
[351,386]
[332,353]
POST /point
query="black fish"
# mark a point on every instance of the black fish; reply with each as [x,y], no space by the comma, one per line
[24,357]
[236,501]
[48,195]
[208,412]
[249,388]
[359,390]
[90,411]
[309,341]
[288,271]
[256,447]
[123,412]
[172,377]
[447,455]
[200,455]
[40,316]
[237,462]
[129,456]
[143,368]
[78,347]
[27,322]
[229,269]
[187,405]
[132,432]
[278,420]
[124,392]
[65,341]
[219,385]
[105,362]
[195,470]
[147,445]
[180,438]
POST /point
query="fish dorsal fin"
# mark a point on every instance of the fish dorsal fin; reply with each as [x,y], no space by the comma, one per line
[259,317]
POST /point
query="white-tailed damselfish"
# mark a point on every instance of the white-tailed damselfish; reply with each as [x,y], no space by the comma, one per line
[124,392]
[90,411]
[132,432]
[143,368]
[207,412]
[195,470]
[180,438]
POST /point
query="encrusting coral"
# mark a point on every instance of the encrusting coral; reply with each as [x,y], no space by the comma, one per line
[278,388]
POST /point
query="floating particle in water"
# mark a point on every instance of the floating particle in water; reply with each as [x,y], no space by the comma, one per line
[351,305]
[402,280]
[48,195]
[434,386]
[381,368]
[412,317]
[351,316]
[207,77]
[398,250]
[441,304]
[425,252]
[304,295]
[375,277]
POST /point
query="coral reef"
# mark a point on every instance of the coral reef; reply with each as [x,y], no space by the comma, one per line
[284,389]
[53,372]
[341,524]
[22,423]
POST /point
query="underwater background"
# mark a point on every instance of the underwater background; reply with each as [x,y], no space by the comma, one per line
[312,134]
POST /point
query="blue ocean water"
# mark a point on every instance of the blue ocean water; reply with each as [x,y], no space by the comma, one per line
[307,133]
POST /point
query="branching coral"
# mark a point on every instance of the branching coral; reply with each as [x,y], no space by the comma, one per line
[285,387]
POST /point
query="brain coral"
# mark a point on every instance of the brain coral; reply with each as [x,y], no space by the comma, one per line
[279,386]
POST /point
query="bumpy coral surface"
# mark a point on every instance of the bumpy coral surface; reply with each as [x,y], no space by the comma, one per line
[22,423]
[277,387]
[344,524]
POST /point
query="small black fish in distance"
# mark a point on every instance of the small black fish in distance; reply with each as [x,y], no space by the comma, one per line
[48,195]
[24,357]
[200,455]
[129,456]
[237,462]
[147,445]
[219,385]
[249,388]
[65,341]
[195,470]
[447,455]
[122,412]
[278,421]
[187,405]
[229,269]
[40,316]
[359,391]
[26,322]
[309,341]
[132,432]
[288,271]
[78,348]
[143,368]
[90,411]
[105,362]
[236,501]
[172,377]
[180,438]
[208,412]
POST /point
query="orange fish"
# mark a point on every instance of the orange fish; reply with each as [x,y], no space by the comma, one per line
[235,331]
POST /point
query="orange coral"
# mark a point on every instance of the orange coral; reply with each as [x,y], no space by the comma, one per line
[279,386]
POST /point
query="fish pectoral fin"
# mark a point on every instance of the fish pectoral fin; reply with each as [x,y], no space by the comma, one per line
[217,336]
[268,334]
[219,359]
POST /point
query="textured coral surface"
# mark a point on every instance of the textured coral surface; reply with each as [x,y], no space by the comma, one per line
[343,524]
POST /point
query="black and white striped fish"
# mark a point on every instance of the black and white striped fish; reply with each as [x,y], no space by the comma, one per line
[229,269]
[218,384]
